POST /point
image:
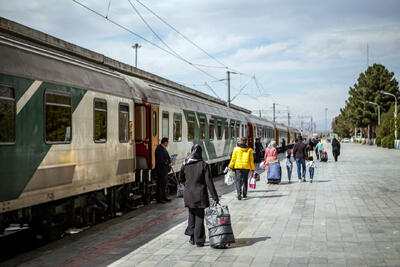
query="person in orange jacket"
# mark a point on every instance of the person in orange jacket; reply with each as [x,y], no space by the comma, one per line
[242,162]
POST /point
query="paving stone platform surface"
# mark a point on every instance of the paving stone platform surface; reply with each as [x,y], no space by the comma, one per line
[349,216]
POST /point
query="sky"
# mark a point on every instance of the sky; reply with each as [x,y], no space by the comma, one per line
[304,54]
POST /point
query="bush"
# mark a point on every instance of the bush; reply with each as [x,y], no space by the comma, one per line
[388,141]
[378,141]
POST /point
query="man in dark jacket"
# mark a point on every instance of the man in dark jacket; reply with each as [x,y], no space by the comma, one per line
[283,145]
[299,153]
[196,176]
[259,149]
[162,168]
[335,148]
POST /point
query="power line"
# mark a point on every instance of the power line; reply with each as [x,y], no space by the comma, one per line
[183,36]
[140,37]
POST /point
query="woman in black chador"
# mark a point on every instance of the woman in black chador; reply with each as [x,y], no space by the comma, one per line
[335,148]
[196,176]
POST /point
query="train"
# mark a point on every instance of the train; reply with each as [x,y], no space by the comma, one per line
[79,131]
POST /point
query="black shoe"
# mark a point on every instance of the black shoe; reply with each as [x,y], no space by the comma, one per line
[161,201]
[166,199]
[200,245]
[239,197]
[244,196]
[191,240]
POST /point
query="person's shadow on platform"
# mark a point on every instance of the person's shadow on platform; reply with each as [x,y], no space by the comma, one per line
[244,242]
[271,196]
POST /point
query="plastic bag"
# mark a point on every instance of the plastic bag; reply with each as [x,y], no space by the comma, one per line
[253,181]
[179,190]
[229,178]
[260,168]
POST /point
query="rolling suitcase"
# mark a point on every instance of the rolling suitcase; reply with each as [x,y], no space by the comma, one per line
[274,172]
[324,156]
[219,226]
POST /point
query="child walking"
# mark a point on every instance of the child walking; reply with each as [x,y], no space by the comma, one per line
[311,166]
[289,164]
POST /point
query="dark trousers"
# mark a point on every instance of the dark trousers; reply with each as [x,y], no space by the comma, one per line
[317,153]
[311,173]
[162,182]
[335,155]
[241,180]
[195,226]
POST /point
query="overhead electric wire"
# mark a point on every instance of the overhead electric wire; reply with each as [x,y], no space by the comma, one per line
[140,37]
[183,36]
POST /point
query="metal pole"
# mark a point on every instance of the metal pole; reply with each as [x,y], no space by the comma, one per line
[395,118]
[379,115]
[326,119]
[228,78]
[136,46]
[288,119]
[368,132]
[273,107]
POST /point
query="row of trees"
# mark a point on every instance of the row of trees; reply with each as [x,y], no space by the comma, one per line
[358,114]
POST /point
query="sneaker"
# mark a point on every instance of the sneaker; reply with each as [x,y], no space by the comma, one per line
[310,180]
[304,180]
[244,197]
[299,180]
[239,197]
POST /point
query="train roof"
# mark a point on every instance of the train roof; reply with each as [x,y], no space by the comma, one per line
[25,36]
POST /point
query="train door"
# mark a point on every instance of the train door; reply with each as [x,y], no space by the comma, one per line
[250,136]
[142,136]
[154,134]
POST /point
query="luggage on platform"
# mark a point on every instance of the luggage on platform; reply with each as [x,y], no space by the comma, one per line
[274,172]
[324,156]
[218,221]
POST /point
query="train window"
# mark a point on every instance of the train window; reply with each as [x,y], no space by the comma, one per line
[219,130]
[177,127]
[242,130]
[237,129]
[58,114]
[140,123]
[123,122]
[232,129]
[226,130]
[7,115]
[165,124]
[190,125]
[202,122]
[155,123]
[100,120]
[211,129]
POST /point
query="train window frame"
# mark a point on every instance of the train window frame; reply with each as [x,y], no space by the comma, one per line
[122,104]
[59,93]
[211,130]
[226,129]
[155,120]
[162,123]
[13,99]
[202,130]
[219,129]
[174,127]
[94,119]
[191,127]
[237,129]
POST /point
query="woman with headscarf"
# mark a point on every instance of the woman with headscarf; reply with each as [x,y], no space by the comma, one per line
[270,153]
[335,148]
[196,176]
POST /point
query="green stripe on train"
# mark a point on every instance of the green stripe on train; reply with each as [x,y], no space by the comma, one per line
[206,143]
[19,162]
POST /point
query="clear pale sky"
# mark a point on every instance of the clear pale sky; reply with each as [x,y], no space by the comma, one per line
[305,54]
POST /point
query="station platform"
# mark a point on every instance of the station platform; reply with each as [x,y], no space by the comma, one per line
[349,216]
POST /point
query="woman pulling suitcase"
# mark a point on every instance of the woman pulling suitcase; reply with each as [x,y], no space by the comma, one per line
[196,176]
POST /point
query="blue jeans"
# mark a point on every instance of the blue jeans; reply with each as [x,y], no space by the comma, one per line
[289,170]
[301,163]
[311,172]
